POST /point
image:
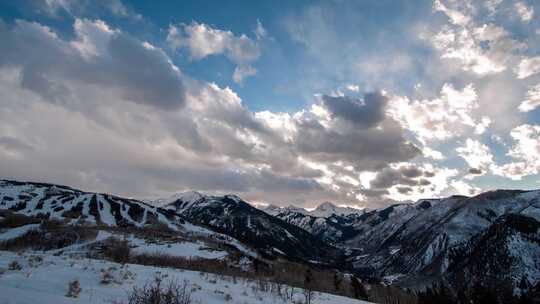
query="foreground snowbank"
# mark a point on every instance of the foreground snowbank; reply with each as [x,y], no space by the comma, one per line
[44,279]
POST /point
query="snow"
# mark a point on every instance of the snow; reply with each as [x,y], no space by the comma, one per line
[47,282]
[17,232]
[105,212]
[185,249]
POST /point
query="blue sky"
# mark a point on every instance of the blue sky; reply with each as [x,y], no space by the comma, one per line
[357,102]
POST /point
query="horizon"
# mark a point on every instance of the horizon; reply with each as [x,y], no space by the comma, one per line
[360,104]
[262,205]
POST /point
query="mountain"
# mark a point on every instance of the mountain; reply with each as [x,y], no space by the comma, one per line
[415,244]
[231,215]
[505,257]
[327,209]
[145,226]
[328,222]
[332,229]
[62,202]
[417,239]
[480,245]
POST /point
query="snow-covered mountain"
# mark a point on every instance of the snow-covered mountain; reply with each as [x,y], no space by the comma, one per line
[490,240]
[413,239]
[421,240]
[61,202]
[231,215]
[325,209]
[504,257]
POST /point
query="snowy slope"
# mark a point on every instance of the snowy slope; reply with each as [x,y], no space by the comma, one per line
[415,240]
[508,253]
[103,210]
[231,215]
[327,209]
[47,281]
[60,202]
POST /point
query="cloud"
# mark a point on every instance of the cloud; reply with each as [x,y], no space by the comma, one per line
[364,113]
[524,12]
[464,188]
[202,40]
[77,8]
[241,72]
[525,151]
[528,67]
[532,100]
[100,109]
[444,117]
[433,182]
[99,56]
[260,31]
[13,146]
[482,49]
[477,155]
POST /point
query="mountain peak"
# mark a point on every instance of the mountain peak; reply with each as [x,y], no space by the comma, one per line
[327,209]
[326,206]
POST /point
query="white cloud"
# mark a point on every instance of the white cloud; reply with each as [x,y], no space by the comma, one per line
[242,72]
[444,117]
[532,100]
[482,49]
[76,8]
[455,16]
[260,31]
[524,12]
[528,67]
[202,40]
[93,37]
[476,154]
[464,188]
[353,88]
[492,5]
[526,152]
[428,152]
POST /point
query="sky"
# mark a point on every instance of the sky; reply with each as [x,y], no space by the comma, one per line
[360,103]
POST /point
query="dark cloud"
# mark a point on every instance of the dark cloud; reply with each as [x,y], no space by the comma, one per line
[141,74]
[429,174]
[386,178]
[404,175]
[364,148]
[14,144]
[364,113]
[404,190]
[373,192]
[475,171]
[146,73]
[424,182]
[411,172]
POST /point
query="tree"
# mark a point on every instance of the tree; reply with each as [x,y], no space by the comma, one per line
[337,281]
[308,286]
[358,289]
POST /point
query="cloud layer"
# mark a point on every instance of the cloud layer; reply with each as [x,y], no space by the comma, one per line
[98,107]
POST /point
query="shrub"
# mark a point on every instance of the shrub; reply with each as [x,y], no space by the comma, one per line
[157,293]
[14,266]
[74,289]
[14,220]
[117,250]
[107,276]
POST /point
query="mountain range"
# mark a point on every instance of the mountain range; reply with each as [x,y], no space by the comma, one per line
[491,240]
